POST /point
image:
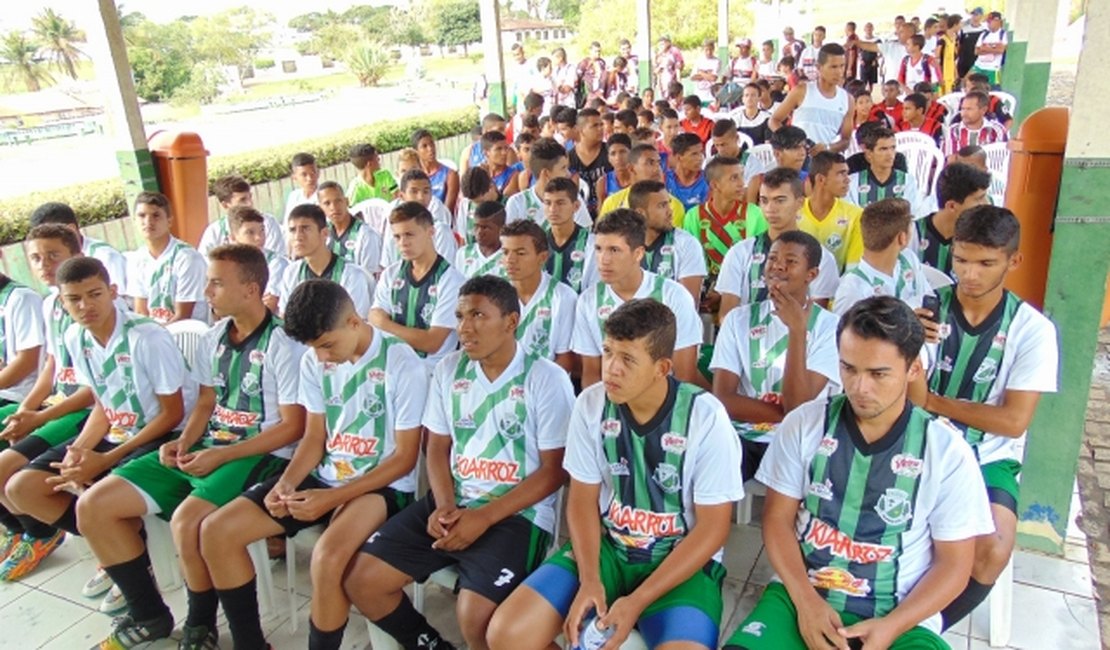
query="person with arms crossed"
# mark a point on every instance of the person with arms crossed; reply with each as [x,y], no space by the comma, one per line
[960,187]
[821,107]
[62,214]
[166,274]
[651,463]
[670,252]
[308,227]
[231,192]
[990,48]
[572,259]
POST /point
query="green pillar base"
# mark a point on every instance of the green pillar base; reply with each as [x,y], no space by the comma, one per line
[1034,89]
[495,101]
[643,76]
[136,168]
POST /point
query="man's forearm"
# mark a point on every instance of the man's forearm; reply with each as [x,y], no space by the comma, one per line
[272,439]
[935,590]
[584,526]
[533,489]
[986,417]
[786,559]
[440,481]
[794,388]
[697,548]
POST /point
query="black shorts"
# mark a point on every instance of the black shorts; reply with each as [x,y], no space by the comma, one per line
[492,566]
[394,502]
[57,454]
[753,456]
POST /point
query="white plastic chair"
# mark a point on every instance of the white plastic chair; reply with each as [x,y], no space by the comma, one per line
[1009,102]
[951,101]
[375,212]
[854,146]
[752,489]
[187,334]
[903,138]
[760,159]
[935,277]
[998,162]
[923,161]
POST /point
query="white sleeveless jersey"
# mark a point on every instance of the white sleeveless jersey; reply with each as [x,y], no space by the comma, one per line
[821,117]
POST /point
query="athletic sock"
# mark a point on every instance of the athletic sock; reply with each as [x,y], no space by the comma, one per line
[973,594]
[202,609]
[34,527]
[68,520]
[411,629]
[241,609]
[135,579]
[321,640]
[10,521]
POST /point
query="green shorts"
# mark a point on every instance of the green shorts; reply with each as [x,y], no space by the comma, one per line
[51,434]
[169,486]
[1001,478]
[773,625]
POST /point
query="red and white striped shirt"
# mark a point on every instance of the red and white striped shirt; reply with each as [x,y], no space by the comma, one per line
[961,136]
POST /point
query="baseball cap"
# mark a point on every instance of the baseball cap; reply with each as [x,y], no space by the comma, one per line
[744,42]
[978,11]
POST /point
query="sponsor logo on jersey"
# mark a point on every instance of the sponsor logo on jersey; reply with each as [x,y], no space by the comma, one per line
[999,340]
[863,189]
[161,314]
[755,628]
[894,507]
[577,256]
[516,393]
[842,221]
[758,332]
[619,468]
[344,470]
[375,376]
[907,465]
[335,400]
[943,330]
[666,249]
[834,579]
[644,523]
[257,356]
[349,244]
[487,469]
[759,258]
[329,367]
[460,386]
[827,446]
[987,371]
[822,491]
[123,359]
[604,311]
[761,362]
[667,478]
[674,443]
[465,422]
[825,537]
[67,376]
[398,283]
[543,312]
[353,444]
[230,418]
[433,290]
[121,419]
[945,364]
[610,428]
[898,189]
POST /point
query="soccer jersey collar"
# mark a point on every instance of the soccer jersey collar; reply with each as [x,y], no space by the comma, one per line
[662,414]
[988,322]
[250,338]
[892,437]
[510,371]
[121,318]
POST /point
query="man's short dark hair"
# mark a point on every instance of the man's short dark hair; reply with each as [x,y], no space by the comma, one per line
[644,318]
[669,113]
[958,181]
[362,154]
[635,153]
[419,135]
[883,221]
[227,186]
[787,137]
[722,128]
[250,260]
[684,142]
[717,166]
[546,153]
[81,268]
[989,226]
[918,100]
[53,212]
[412,176]
[315,308]
[533,101]
[780,176]
[490,138]
[564,185]
[412,211]
[309,211]
[626,223]
[530,229]
[888,319]
[918,40]
[627,118]
[621,139]
[57,232]
[490,210]
[499,291]
[329,185]
[980,97]
[692,100]
[822,163]
[241,214]
[303,159]
[639,192]
[829,50]
[564,115]
[808,243]
[871,139]
[475,182]
[157,199]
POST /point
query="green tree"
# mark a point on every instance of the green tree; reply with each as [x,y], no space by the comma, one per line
[569,11]
[368,61]
[230,38]
[332,41]
[20,52]
[161,58]
[457,22]
[686,21]
[407,29]
[59,37]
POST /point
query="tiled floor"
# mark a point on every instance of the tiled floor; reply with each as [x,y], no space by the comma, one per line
[1053,603]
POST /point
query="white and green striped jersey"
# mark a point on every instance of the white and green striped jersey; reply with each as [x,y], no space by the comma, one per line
[529,205]
[908,283]
[21,322]
[276,265]
[216,234]
[360,244]
[742,271]
[752,345]
[443,240]
[139,362]
[422,304]
[869,513]
[363,404]
[498,428]
[112,259]
[57,321]
[547,321]
[675,254]
[652,475]
[597,302]
[358,283]
[251,378]
[470,261]
[179,274]
[864,189]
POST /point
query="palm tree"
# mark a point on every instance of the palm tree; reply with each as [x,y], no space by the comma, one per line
[19,53]
[58,36]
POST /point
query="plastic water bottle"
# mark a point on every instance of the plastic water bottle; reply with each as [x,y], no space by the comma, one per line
[592,637]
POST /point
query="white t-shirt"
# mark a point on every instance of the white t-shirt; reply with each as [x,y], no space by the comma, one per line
[276,264]
[908,283]
[470,261]
[593,309]
[56,320]
[754,325]
[547,321]
[950,504]
[527,414]
[216,234]
[686,257]
[807,62]
[528,204]
[704,88]
[990,61]
[112,259]
[443,240]
[297,197]
[435,304]
[362,248]
[390,387]
[711,462]
[358,283]
[892,52]
[736,272]
[23,329]
[179,274]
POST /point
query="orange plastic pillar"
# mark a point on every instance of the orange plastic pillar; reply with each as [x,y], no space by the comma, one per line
[1036,163]
[180,161]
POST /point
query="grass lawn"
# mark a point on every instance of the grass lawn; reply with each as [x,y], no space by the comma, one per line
[446,68]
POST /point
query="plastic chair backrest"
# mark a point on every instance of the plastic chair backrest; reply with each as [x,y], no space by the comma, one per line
[449,164]
[951,101]
[760,159]
[187,334]
[998,162]
[936,277]
[903,138]
[924,161]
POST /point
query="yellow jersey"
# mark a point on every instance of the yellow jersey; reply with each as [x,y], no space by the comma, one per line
[620,200]
[839,231]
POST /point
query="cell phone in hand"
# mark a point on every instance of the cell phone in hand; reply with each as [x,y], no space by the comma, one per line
[932,303]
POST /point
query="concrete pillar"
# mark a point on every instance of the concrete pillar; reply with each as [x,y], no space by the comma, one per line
[723,51]
[498,99]
[1019,23]
[1077,276]
[645,48]
[124,121]
[1038,58]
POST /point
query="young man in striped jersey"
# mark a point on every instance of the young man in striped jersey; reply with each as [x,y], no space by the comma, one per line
[991,356]
[619,247]
[142,390]
[415,300]
[308,231]
[245,418]
[668,251]
[355,466]
[572,259]
[827,215]
[166,275]
[417,188]
[872,506]
[546,305]
[62,214]
[774,355]
[652,462]
[547,161]
[880,179]
[974,127]
[497,419]
[248,226]
[349,236]
[888,266]
[960,187]
[742,279]
[483,257]
[232,192]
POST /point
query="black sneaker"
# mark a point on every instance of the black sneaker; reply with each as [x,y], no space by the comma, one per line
[129,633]
[198,637]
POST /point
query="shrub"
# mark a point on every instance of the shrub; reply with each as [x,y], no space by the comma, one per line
[264,64]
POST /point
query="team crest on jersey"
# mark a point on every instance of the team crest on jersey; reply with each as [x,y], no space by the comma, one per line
[619,468]
[604,311]
[250,384]
[577,256]
[987,371]
[610,428]
[667,478]
[574,276]
[894,507]
[758,332]
[864,189]
[510,427]
[835,579]
[427,311]
[664,268]
[907,465]
[822,491]
[460,386]
[833,242]
[257,356]
[373,406]
[827,446]
[674,443]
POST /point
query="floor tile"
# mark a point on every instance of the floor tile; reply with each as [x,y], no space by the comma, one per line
[1074,552]
[37,617]
[68,554]
[69,582]
[979,644]
[741,551]
[762,571]
[9,591]
[1053,573]
[957,641]
[1060,620]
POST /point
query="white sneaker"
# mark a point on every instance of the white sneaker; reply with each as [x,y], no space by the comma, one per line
[98,584]
[113,602]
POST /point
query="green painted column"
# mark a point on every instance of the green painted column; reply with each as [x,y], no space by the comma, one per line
[498,100]
[1076,286]
[644,46]
[1038,60]
[1019,19]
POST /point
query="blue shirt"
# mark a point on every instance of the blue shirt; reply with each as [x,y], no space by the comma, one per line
[690,195]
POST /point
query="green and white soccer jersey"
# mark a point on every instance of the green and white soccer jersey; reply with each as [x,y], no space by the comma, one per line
[470,261]
[742,271]
[139,363]
[216,234]
[547,321]
[251,378]
[573,263]
[652,475]
[1015,348]
[870,512]
[675,255]
[424,304]
[276,264]
[443,239]
[363,404]
[57,321]
[752,344]
[908,283]
[529,205]
[21,322]
[359,245]
[358,283]
[498,428]
[112,259]
[179,274]
[597,302]
[864,189]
